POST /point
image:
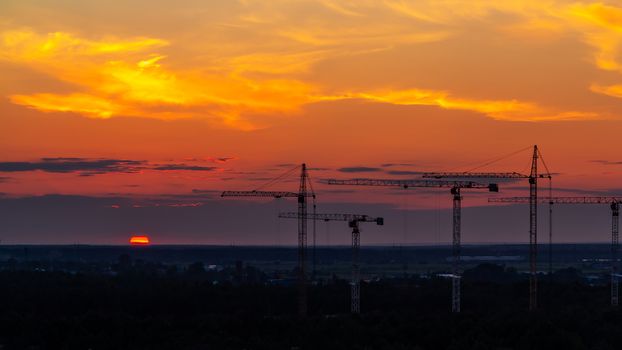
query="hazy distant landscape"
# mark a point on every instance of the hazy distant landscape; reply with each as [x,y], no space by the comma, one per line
[376,261]
[202,297]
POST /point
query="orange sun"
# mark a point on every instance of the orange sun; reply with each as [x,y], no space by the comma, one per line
[139,240]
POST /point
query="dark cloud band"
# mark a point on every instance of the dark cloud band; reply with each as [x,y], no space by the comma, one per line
[360,169]
[91,167]
[70,165]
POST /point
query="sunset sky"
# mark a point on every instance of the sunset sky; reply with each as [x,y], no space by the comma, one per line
[121,118]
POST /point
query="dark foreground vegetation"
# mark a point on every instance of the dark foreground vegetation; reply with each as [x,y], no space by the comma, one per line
[135,309]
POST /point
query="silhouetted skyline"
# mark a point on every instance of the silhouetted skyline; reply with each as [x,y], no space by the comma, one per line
[114,122]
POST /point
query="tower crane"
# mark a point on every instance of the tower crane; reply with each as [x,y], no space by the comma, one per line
[302,195]
[353,222]
[614,203]
[533,209]
[455,187]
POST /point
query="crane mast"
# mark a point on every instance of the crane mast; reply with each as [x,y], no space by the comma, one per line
[456,248]
[533,231]
[533,210]
[455,187]
[302,241]
[615,219]
[302,196]
[353,222]
[615,223]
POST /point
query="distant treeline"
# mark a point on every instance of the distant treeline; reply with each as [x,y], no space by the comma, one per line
[138,309]
[563,253]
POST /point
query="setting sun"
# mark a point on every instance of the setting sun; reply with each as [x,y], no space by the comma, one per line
[139,240]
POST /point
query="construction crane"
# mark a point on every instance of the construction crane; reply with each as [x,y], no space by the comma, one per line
[614,203]
[533,209]
[353,222]
[455,187]
[302,195]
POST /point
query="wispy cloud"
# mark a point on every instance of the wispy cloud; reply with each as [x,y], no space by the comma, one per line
[610,90]
[403,172]
[507,110]
[359,169]
[607,162]
[126,78]
[220,160]
[69,165]
[281,48]
[90,167]
[389,165]
[184,167]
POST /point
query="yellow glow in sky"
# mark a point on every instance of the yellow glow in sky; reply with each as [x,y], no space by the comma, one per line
[257,58]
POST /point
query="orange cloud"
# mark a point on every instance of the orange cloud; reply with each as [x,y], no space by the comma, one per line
[26,45]
[273,72]
[79,103]
[602,25]
[508,110]
[118,87]
[612,90]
